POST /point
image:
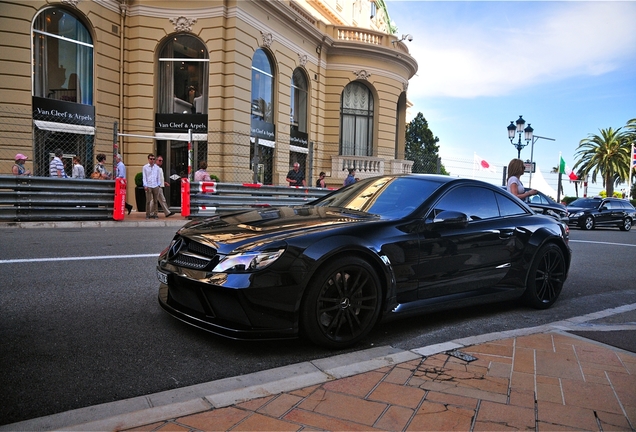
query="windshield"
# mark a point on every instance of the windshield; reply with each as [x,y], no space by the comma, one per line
[384,196]
[585,203]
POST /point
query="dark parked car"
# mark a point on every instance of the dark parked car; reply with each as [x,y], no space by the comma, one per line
[588,213]
[383,247]
[543,204]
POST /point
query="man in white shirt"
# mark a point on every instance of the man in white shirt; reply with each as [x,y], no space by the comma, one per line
[152,183]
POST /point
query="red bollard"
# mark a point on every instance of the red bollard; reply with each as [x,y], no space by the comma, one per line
[185,197]
[120,199]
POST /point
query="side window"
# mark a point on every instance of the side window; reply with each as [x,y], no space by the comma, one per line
[508,207]
[607,205]
[478,203]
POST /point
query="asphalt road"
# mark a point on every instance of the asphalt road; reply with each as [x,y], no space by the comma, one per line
[80,323]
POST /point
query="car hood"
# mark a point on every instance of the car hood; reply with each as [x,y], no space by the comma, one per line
[265,226]
[578,209]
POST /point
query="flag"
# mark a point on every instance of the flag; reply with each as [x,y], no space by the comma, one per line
[564,169]
[483,164]
[633,156]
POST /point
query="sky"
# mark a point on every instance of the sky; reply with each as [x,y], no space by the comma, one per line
[568,67]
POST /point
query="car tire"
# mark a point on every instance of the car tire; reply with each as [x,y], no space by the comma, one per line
[626,225]
[545,278]
[342,303]
[587,223]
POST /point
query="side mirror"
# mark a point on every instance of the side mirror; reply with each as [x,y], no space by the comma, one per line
[450,218]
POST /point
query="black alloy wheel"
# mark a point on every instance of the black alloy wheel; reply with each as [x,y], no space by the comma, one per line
[626,225]
[588,223]
[342,303]
[545,278]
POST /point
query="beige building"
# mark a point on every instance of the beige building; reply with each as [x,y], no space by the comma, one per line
[248,86]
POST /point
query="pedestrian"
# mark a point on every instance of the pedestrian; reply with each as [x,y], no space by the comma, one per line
[152,180]
[320,182]
[516,168]
[202,174]
[56,167]
[78,169]
[19,169]
[163,183]
[351,178]
[120,172]
[295,177]
[100,168]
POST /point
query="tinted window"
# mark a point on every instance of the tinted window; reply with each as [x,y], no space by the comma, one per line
[509,207]
[477,203]
[585,203]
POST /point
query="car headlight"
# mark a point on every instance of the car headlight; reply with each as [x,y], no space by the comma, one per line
[577,214]
[247,261]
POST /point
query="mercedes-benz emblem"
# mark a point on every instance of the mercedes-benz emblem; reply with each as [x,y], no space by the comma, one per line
[175,248]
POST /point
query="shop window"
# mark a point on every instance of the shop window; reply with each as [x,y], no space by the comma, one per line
[62,58]
[183,76]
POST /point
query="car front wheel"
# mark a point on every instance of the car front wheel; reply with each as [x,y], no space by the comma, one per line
[626,225]
[588,223]
[342,303]
[545,278]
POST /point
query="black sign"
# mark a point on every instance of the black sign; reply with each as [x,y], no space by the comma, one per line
[180,123]
[261,129]
[299,139]
[58,111]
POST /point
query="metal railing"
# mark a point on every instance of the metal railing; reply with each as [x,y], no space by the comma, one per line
[47,199]
[209,198]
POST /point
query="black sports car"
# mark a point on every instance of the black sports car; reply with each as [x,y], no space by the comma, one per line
[381,248]
[588,213]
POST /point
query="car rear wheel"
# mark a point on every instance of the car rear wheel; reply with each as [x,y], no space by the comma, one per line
[626,225]
[546,277]
[588,223]
[342,303]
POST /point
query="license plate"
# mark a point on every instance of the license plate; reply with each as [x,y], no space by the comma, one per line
[163,278]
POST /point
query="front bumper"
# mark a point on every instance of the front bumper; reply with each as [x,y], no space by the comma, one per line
[244,314]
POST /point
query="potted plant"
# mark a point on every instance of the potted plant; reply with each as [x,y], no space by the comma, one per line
[140,193]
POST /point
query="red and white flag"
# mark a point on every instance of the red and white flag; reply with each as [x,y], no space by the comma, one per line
[564,169]
[483,165]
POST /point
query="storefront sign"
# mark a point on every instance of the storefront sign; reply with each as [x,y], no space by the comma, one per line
[52,110]
[179,123]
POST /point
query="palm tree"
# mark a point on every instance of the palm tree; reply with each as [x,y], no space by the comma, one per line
[606,154]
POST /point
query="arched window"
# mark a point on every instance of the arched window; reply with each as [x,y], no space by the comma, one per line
[183,76]
[298,112]
[262,124]
[356,114]
[62,58]
[262,87]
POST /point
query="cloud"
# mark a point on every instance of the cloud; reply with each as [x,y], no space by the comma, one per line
[473,49]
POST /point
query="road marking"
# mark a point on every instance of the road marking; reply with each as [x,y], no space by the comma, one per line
[103,257]
[605,243]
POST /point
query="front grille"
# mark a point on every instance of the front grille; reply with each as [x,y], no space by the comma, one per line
[190,254]
[183,260]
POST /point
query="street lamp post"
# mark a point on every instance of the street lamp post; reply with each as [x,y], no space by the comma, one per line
[519,128]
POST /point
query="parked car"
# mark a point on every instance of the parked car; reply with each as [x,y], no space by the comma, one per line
[381,248]
[543,204]
[588,213]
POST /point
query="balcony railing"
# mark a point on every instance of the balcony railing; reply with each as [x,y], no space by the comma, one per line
[367,166]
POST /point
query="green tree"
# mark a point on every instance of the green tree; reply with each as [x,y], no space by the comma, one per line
[606,155]
[421,147]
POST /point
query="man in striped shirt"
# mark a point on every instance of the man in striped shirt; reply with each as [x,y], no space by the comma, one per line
[56,167]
